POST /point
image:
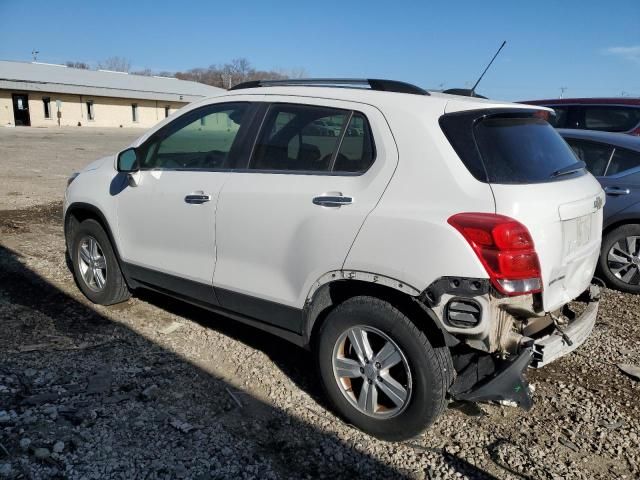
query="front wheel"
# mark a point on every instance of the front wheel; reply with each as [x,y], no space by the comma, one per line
[380,371]
[619,262]
[95,265]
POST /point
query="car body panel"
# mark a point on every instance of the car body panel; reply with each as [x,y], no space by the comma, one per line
[622,189]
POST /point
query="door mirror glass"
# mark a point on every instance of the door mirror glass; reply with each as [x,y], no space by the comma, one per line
[128,160]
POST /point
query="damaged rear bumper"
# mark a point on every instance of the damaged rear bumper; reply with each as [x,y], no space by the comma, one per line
[507,383]
[555,345]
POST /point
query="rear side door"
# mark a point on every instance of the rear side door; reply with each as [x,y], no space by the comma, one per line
[318,168]
[166,219]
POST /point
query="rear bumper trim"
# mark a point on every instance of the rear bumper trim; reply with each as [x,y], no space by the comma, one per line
[553,346]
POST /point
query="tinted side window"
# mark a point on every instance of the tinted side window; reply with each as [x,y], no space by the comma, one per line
[595,155]
[611,118]
[198,140]
[299,137]
[357,150]
[622,161]
[560,118]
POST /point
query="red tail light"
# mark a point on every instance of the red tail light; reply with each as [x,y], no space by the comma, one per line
[635,132]
[505,248]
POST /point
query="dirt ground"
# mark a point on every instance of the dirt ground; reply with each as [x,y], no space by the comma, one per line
[36,162]
[154,388]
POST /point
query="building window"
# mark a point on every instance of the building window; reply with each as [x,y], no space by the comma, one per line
[90,110]
[166,111]
[46,103]
[134,112]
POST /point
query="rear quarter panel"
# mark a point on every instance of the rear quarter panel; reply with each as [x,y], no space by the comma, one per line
[407,236]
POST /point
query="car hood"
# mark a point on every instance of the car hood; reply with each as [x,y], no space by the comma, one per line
[98,163]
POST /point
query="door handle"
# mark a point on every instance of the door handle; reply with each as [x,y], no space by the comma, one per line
[197,198]
[617,191]
[332,200]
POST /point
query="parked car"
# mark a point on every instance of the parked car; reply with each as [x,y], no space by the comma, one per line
[602,114]
[614,159]
[433,257]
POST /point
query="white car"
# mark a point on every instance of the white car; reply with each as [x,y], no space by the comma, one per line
[429,255]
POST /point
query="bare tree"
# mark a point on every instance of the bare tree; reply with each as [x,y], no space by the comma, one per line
[81,65]
[117,64]
[234,72]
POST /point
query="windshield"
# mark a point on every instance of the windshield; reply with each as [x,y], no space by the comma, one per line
[519,150]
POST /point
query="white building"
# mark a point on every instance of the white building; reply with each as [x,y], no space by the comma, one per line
[44,95]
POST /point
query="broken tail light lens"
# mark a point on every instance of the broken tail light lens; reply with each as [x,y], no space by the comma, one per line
[505,248]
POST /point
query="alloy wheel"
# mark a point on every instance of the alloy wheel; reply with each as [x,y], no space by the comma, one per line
[623,260]
[372,372]
[92,263]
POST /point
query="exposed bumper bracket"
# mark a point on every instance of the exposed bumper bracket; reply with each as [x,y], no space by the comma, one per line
[561,342]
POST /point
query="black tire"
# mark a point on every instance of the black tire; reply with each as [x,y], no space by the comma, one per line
[431,369]
[604,270]
[115,288]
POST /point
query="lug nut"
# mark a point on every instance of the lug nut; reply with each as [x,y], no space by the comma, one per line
[361,370]
[380,379]
[369,381]
[377,364]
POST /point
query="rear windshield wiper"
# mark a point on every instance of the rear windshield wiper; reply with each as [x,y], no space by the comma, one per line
[576,167]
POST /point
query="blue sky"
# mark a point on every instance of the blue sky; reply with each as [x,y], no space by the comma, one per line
[592,47]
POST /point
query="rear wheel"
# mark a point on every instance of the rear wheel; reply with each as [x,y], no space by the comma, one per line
[619,262]
[95,265]
[380,371]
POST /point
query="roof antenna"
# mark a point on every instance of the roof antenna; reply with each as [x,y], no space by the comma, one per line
[473,90]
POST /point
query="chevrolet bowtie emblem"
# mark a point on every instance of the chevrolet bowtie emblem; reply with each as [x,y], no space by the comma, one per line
[597,204]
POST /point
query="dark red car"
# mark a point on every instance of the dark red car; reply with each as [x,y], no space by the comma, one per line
[604,114]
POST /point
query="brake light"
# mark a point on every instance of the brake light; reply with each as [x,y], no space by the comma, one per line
[635,132]
[505,248]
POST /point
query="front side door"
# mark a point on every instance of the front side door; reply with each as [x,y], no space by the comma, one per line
[21,110]
[316,172]
[166,223]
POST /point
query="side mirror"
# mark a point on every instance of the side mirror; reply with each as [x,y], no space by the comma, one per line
[128,161]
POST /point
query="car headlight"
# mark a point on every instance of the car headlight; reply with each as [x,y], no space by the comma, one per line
[72,178]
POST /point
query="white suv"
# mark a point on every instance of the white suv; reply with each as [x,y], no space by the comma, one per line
[427,251]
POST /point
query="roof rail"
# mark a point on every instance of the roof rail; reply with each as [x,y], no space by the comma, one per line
[371,83]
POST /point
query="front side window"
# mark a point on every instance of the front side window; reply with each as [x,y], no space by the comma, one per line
[622,161]
[198,140]
[595,155]
[309,138]
[611,118]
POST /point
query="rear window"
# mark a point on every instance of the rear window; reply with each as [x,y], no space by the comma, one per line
[519,150]
[611,118]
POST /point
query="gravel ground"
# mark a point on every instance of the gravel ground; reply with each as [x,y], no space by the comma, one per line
[154,388]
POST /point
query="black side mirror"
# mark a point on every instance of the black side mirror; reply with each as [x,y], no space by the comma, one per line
[128,161]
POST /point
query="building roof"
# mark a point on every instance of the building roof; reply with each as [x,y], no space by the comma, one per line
[60,79]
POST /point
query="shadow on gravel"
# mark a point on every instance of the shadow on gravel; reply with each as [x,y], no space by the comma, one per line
[88,397]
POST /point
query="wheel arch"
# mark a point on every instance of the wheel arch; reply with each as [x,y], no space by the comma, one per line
[78,212]
[327,296]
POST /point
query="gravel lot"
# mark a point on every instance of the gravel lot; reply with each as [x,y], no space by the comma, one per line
[154,388]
